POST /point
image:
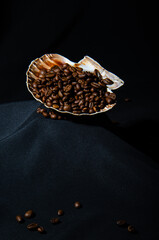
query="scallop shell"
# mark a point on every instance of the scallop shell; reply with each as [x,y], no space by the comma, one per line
[47,61]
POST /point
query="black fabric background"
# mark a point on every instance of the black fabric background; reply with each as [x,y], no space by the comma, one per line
[45,164]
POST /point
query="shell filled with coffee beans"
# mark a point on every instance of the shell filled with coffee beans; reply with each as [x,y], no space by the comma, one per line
[83,88]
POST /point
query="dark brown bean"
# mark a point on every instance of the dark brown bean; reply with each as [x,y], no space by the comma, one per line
[19,219]
[67,108]
[79,93]
[121,223]
[107,81]
[32,226]
[55,106]
[95,85]
[68,88]
[81,75]
[77,205]
[41,229]
[109,100]
[53,116]
[112,96]
[131,229]
[78,87]
[60,94]
[60,212]
[55,220]
[29,214]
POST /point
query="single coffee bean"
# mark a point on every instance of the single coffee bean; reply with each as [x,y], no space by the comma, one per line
[112,96]
[55,220]
[29,214]
[95,85]
[32,226]
[127,100]
[60,212]
[67,108]
[131,229]
[77,204]
[68,88]
[79,93]
[121,223]
[19,219]
[109,100]
[55,106]
[41,229]
[107,81]
[45,114]
[53,116]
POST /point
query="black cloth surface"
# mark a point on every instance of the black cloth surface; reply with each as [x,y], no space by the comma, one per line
[46,165]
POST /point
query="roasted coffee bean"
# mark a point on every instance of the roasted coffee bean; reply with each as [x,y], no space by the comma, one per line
[95,85]
[107,81]
[131,229]
[79,93]
[127,100]
[48,103]
[112,96]
[91,110]
[77,205]
[78,87]
[67,108]
[81,75]
[19,219]
[60,212]
[49,75]
[60,94]
[109,100]
[32,226]
[121,223]
[55,220]
[29,214]
[68,88]
[41,229]
[55,106]
[53,116]
[45,114]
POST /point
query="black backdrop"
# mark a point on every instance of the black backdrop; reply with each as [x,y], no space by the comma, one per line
[122,37]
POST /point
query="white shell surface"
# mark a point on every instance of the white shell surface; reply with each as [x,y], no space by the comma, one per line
[47,61]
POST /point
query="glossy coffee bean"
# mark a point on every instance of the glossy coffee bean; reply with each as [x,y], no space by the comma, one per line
[55,220]
[60,212]
[121,223]
[41,229]
[77,205]
[29,214]
[19,219]
[131,229]
[32,226]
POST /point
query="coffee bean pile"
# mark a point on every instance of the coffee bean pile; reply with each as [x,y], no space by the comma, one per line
[71,89]
[123,223]
[35,226]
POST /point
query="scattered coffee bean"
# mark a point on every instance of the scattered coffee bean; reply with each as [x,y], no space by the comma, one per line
[29,214]
[55,220]
[131,229]
[121,223]
[41,229]
[32,226]
[71,89]
[77,204]
[60,212]
[19,219]
[127,99]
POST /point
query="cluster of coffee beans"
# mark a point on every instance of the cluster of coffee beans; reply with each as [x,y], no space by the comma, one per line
[35,226]
[50,114]
[123,223]
[71,89]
